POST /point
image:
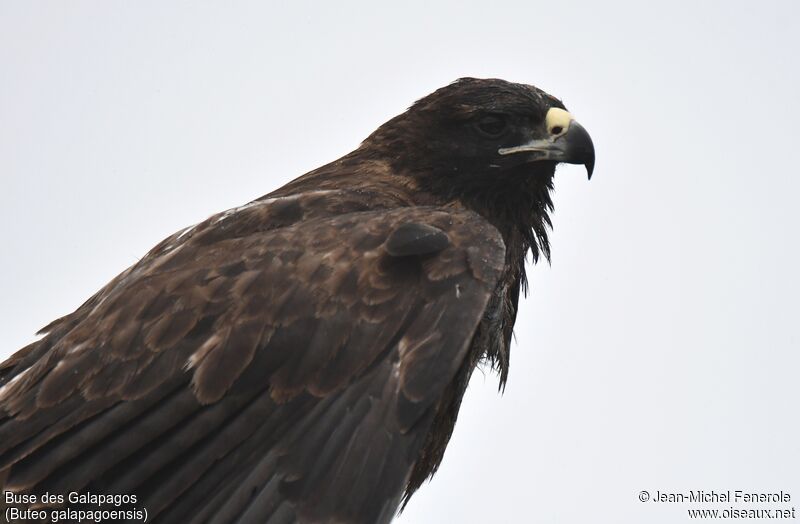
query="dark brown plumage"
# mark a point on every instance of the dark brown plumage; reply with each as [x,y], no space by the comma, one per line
[302,358]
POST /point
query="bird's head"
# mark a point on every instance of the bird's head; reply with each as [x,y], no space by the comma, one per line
[490,145]
[485,127]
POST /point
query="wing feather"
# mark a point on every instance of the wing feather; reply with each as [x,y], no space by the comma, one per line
[280,362]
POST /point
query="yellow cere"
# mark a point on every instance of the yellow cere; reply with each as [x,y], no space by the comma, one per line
[557,118]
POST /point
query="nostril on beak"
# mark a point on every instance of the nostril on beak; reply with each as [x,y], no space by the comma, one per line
[557,122]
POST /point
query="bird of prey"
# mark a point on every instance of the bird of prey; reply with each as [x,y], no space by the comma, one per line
[301,358]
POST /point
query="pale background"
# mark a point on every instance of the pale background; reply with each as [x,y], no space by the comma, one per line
[660,350]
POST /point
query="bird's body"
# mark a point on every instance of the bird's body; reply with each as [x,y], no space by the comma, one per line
[301,358]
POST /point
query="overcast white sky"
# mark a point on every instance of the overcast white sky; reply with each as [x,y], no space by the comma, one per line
[660,350]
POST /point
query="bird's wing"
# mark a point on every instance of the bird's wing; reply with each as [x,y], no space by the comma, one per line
[278,363]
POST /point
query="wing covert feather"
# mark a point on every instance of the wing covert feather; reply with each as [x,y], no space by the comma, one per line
[335,344]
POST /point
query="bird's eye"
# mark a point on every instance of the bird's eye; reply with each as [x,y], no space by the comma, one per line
[492,126]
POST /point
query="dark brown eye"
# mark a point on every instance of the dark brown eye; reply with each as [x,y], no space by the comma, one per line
[492,126]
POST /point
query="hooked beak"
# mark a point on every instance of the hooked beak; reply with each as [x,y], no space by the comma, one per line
[567,141]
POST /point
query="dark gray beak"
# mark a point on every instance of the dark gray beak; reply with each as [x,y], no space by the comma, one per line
[577,147]
[567,142]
